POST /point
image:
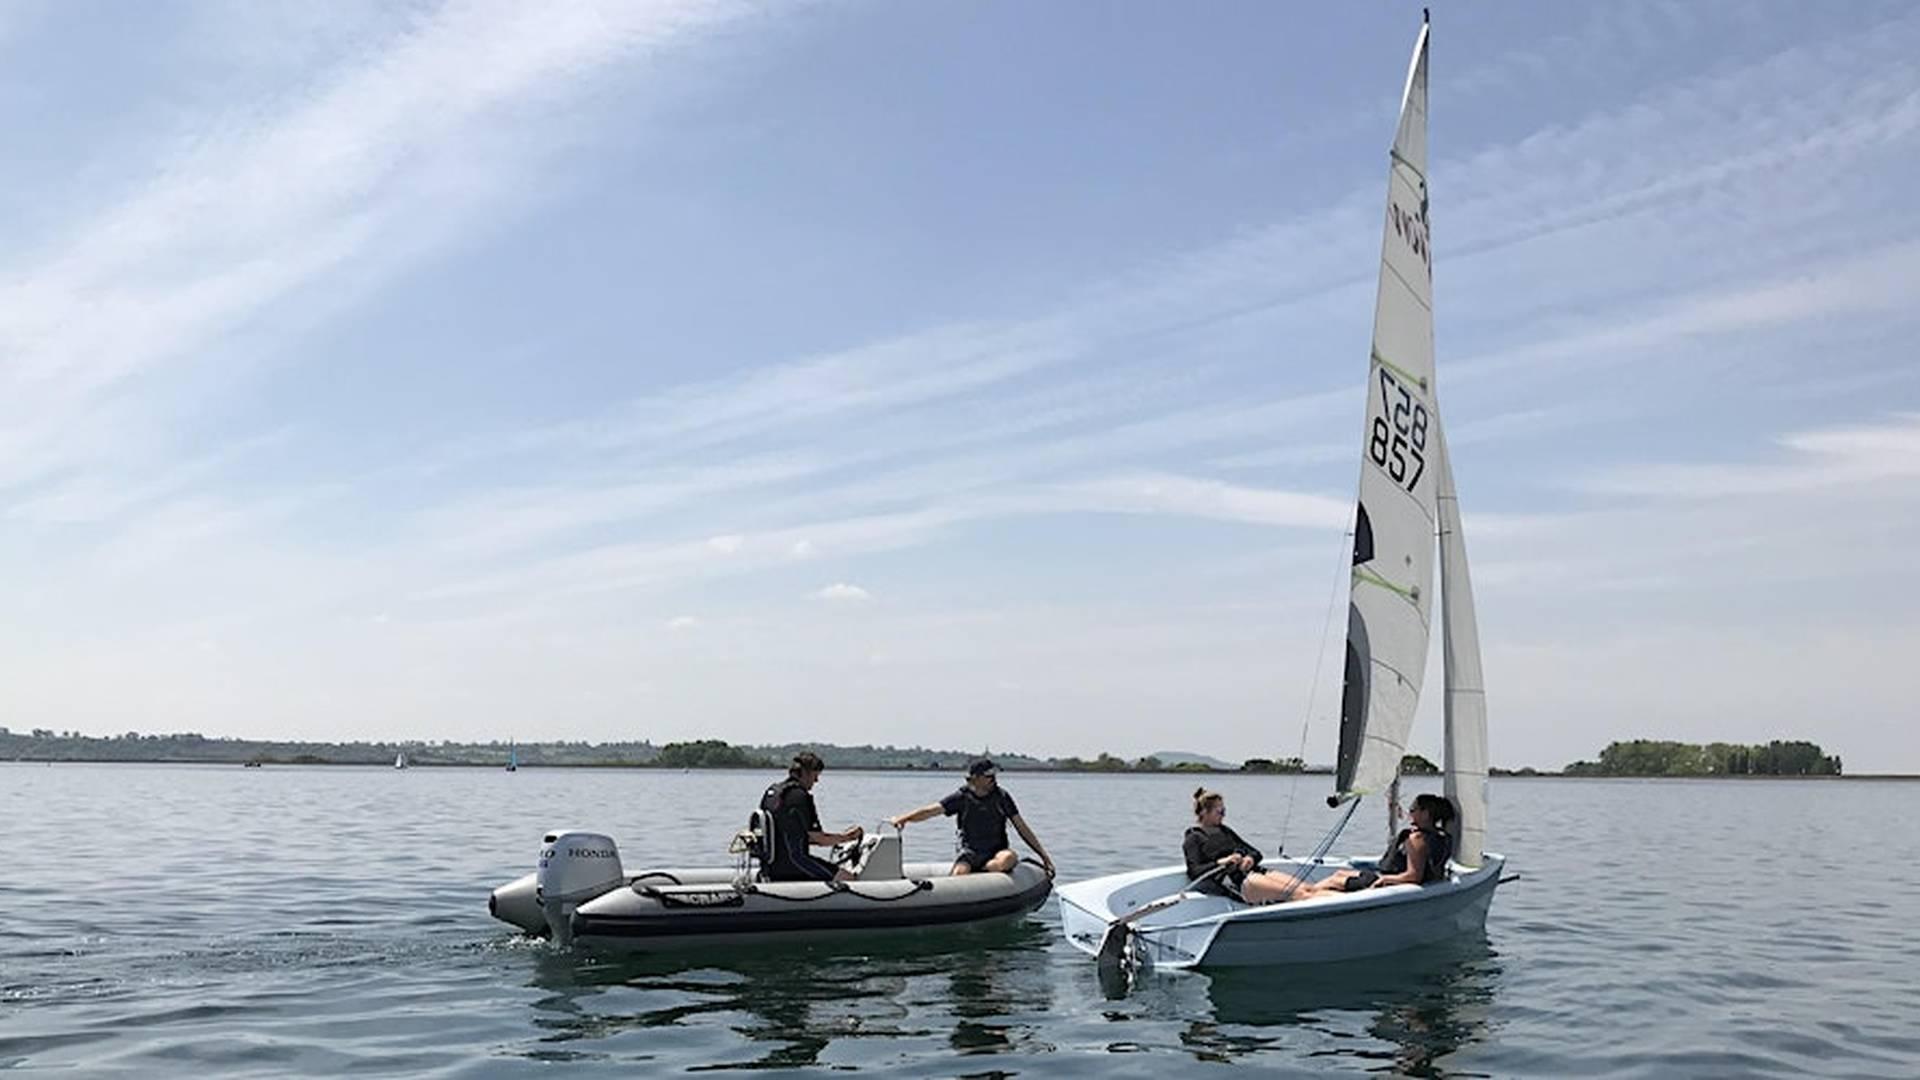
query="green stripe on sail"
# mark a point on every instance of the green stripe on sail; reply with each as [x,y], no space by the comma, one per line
[1405,375]
[1411,596]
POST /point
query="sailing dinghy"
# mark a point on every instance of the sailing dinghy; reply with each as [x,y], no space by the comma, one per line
[1152,917]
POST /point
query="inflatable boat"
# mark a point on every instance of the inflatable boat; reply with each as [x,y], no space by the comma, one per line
[581,895]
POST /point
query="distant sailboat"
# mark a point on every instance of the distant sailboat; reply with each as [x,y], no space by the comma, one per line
[400,760]
[513,758]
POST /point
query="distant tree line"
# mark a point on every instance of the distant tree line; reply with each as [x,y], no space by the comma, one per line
[43,744]
[1649,757]
[707,754]
[1273,765]
[1107,763]
[1637,757]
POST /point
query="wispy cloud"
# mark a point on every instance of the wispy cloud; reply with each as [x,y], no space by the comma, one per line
[1818,460]
[1874,282]
[1165,493]
[344,173]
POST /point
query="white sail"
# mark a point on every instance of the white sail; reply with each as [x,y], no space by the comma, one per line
[1466,738]
[1388,615]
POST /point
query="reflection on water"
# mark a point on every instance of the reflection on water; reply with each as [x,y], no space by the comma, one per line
[789,1004]
[991,992]
[1422,1005]
[1406,1013]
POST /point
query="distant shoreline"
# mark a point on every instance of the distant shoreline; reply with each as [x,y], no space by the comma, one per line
[629,766]
[1639,759]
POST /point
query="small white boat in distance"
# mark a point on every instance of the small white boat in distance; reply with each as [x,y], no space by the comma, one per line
[400,760]
[1406,497]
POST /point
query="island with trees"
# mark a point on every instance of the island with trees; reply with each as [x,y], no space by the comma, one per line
[1650,757]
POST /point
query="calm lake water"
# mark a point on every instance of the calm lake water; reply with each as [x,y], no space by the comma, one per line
[219,921]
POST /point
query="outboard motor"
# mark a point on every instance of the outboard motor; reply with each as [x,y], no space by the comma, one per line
[575,867]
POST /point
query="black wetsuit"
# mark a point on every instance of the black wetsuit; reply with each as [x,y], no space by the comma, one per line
[982,823]
[794,816]
[1203,847]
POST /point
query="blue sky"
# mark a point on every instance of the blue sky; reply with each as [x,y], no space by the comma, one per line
[954,375]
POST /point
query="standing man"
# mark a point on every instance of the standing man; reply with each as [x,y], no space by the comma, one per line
[796,823]
[983,808]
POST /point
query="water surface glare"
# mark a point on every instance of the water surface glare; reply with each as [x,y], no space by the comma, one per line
[220,921]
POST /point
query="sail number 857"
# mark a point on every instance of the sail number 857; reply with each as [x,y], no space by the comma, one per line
[1398,443]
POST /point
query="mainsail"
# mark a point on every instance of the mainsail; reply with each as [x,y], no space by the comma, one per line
[1466,738]
[1388,614]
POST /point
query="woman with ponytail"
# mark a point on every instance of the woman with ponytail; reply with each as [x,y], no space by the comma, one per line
[1210,844]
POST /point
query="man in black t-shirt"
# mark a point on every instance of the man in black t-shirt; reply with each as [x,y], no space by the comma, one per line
[796,824]
[982,809]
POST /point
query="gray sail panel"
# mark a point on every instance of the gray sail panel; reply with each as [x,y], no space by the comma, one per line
[1465,758]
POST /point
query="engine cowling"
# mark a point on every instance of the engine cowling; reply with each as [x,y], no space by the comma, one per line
[574,867]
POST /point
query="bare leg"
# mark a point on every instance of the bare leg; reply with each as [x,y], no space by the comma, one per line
[960,867]
[1002,861]
[1274,887]
[1277,886]
[1335,882]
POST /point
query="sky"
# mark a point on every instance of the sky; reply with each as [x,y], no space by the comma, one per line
[956,375]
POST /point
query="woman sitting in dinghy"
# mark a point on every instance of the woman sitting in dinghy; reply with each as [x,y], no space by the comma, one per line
[1418,856]
[1210,845]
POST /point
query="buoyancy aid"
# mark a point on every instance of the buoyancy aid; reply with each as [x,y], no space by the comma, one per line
[1439,849]
[789,824]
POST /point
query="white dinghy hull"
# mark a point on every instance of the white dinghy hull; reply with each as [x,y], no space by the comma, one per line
[1206,931]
